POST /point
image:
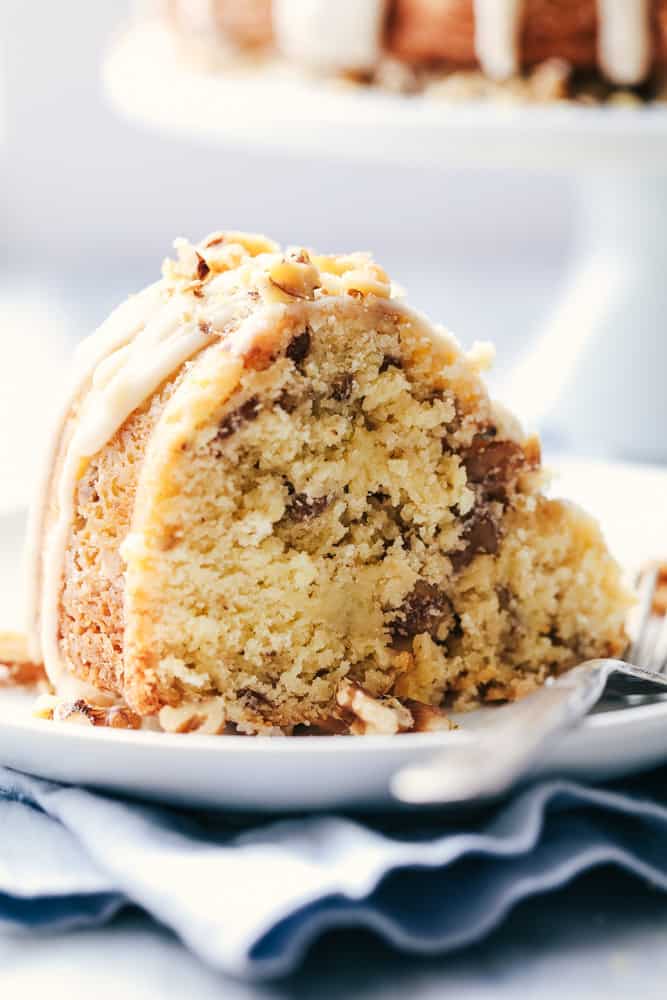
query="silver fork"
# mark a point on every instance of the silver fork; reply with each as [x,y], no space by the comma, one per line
[515,735]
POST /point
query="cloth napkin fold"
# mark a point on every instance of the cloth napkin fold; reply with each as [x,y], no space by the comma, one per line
[249,895]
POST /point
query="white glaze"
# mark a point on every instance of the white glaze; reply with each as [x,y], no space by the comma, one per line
[497,31]
[346,35]
[625,39]
[257,326]
[118,329]
[117,370]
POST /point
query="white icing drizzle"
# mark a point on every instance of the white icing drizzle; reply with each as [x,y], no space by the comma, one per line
[118,329]
[497,30]
[256,326]
[121,367]
[624,39]
[346,35]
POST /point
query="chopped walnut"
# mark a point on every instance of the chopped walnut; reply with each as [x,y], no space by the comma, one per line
[266,272]
[372,716]
[370,281]
[82,713]
[354,274]
[202,268]
[204,717]
[428,718]
[296,275]
[387,716]
[186,265]
[16,667]
[214,240]
[217,253]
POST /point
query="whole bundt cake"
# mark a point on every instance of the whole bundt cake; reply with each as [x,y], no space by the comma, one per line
[620,40]
[278,498]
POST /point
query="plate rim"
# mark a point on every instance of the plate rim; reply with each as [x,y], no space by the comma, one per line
[286,745]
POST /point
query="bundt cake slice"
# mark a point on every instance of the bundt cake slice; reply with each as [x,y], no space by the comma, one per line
[280,498]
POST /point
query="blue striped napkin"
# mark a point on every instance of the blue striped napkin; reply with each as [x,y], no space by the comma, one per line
[249,895]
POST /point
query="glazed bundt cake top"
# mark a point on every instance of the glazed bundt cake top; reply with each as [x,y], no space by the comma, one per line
[620,37]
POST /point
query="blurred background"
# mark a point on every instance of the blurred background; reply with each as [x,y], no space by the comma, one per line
[91,205]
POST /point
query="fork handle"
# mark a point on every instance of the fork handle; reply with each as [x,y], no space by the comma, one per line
[488,765]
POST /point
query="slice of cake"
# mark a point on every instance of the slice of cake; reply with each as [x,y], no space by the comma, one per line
[539,50]
[280,498]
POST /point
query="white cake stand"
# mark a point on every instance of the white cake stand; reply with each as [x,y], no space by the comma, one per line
[595,375]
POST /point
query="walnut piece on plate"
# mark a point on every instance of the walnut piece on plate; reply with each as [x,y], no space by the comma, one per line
[81,713]
[16,667]
[369,716]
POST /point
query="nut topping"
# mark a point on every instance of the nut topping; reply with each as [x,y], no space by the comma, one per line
[82,713]
[16,668]
[202,268]
[369,716]
[428,718]
[296,275]
[372,716]
[205,717]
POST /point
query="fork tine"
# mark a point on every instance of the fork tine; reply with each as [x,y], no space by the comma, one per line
[640,652]
[659,656]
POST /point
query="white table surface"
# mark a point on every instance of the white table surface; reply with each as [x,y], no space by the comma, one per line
[602,938]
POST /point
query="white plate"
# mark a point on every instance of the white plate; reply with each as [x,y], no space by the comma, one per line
[266,773]
[272,105]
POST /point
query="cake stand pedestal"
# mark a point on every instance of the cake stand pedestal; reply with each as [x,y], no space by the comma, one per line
[592,376]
